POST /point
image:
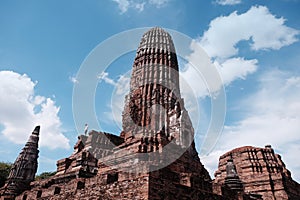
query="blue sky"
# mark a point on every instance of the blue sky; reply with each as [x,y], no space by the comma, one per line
[253,44]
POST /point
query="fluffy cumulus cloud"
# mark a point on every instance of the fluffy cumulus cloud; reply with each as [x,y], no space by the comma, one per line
[228,2]
[226,32]
[272,117]
[236,68]
[201,79]
[206,76]
[220,43]
[21,109]
[138,5]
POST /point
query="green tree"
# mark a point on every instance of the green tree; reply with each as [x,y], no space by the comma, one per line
[4,172]
[44,175]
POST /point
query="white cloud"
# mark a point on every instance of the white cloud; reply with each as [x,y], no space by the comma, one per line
[228,2]
[104,76]
[21,110]
[116,106]
[159,3]
[123,5]
[228,71]
[272,118]
[236,68]
[123,84]
[138,5]
[258,26]
[73,79]
[200,79]
[220,41]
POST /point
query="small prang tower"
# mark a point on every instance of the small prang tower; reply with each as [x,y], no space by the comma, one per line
[24,168]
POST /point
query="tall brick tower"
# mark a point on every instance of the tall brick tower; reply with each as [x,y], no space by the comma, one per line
[154,104]
[154,81]
[24,168]
[155,116]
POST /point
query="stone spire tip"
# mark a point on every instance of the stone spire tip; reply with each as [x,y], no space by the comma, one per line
[36,130]
[156,28]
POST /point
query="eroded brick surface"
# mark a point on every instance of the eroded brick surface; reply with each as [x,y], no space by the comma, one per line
[261,171]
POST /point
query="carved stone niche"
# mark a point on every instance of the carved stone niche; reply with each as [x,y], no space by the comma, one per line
[185,179]
[112,177]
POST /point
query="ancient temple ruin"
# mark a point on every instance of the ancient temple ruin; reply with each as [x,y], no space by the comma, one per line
[24,168]
[154,157]
[260,170]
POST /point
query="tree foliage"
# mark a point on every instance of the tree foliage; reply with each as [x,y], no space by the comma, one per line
[4,172]
[44,175]
[5,169]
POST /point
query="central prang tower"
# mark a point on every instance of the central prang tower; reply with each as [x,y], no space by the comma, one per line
[154,104]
